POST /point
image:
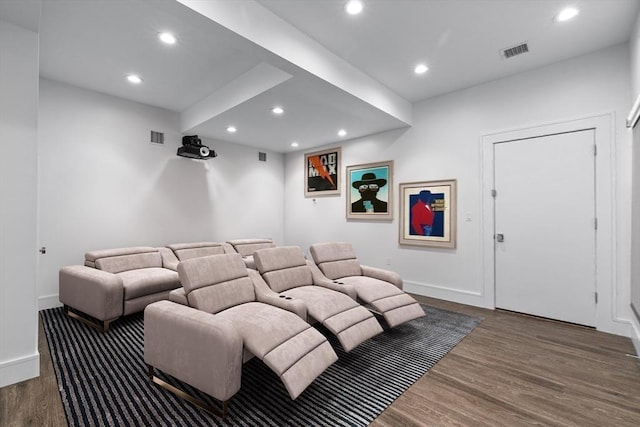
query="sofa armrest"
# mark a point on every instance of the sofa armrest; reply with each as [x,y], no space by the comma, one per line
[196,347]
[266,295]
[94,292]
[320,279]
[380,274]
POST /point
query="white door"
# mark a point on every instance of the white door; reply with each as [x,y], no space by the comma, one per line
[545,226]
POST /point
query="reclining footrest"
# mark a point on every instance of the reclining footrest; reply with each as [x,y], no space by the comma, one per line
[353,326]
[300,360]
[398,309]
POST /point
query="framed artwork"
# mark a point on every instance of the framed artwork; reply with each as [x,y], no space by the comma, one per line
[370,191]
[428,213]
[322,173]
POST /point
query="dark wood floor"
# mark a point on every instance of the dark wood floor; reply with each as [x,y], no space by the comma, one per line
[511,370]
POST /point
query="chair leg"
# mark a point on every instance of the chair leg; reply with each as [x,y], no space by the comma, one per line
[101,326]
[222,413]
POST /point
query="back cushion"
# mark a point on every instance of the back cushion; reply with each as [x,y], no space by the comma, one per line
[338,269]
[215,283]
[185,251]
[185,254]
[325,252]
[246,247]
[118,264]
[336,260]
[283,268]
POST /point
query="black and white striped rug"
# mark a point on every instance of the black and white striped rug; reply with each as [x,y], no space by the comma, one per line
[102,378]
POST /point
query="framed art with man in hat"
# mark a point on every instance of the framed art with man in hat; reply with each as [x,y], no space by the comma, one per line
[370,191]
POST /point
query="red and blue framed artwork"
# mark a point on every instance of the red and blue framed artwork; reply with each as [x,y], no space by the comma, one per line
[428,213]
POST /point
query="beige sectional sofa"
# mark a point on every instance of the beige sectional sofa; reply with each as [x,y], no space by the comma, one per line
[114,283]
[207,311]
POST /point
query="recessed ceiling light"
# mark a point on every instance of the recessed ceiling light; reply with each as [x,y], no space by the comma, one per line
[342,132]
[167,38]
[294,144]
[421,69]
[133,78]
[231,129]
[277,110]
[353,7]
[566,14]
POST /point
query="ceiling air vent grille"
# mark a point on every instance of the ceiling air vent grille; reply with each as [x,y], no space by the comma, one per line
[157,137]
[514,51]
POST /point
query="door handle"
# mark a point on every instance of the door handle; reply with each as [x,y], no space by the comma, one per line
[499,237]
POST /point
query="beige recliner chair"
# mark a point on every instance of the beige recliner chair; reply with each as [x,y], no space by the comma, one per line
[286,271]
[380,289]
[203,344]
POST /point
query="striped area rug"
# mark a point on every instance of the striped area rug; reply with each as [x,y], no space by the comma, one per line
[102,378]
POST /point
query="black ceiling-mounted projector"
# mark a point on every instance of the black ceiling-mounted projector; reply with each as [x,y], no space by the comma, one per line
[193,149]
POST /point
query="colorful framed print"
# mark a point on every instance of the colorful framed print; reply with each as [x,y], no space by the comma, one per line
[428,213]
[370,191]
[322,173]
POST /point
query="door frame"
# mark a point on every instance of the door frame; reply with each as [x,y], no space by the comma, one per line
[603,125]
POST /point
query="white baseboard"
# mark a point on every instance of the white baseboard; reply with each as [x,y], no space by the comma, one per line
[635,336]
[17,370]
[48,301]
[461,296]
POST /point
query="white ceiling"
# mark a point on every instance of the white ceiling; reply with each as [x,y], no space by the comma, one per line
[234,60]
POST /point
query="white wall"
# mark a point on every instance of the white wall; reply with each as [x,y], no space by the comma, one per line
[19,358]
[104,185]
[444,143]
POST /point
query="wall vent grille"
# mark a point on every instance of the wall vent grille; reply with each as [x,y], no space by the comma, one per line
[157,137]
[262,156]
[514,51]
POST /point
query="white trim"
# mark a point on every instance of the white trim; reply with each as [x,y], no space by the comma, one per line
[634,114]
[635,336]
[607,318]
[460,296]
[21,369]
[49,301]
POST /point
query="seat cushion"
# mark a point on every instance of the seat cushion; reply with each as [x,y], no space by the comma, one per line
[146,281]
[370,289]
[322,303]
[262,326]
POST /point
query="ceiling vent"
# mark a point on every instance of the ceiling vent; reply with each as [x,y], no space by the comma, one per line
[514,51]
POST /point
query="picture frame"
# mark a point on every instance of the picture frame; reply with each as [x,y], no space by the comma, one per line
[368,203]
[322,172]
[428,213]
